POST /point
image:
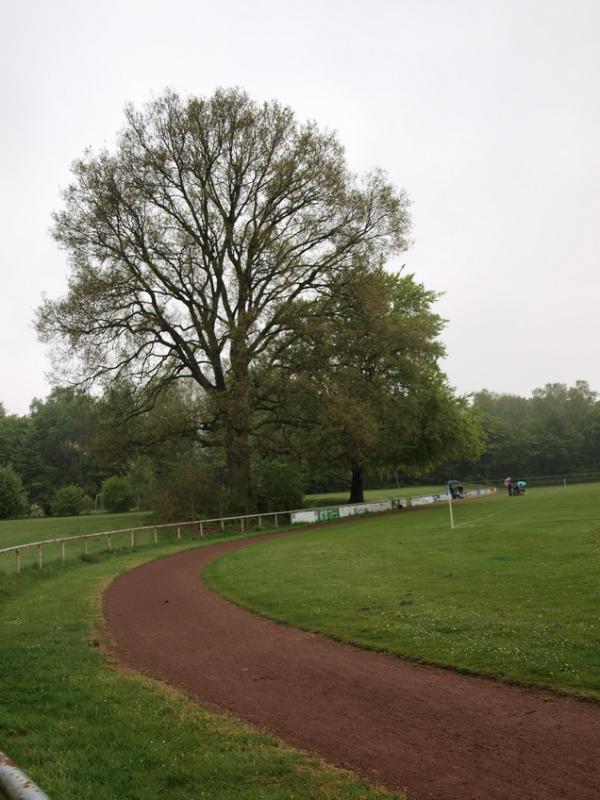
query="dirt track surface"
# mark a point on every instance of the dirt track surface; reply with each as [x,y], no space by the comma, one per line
[434,733]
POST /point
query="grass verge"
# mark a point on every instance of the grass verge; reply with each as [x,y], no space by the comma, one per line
[85,731]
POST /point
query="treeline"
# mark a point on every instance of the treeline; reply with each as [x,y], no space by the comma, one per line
[554,432]
[75,450]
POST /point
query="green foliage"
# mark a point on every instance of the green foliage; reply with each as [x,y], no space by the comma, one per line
[556,431]
[279,484]
[116,494]
[141,475]
[190,487]
[13,500]
[360,382]
[68,501]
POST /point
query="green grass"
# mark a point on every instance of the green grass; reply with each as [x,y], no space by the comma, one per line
[339,498]
[21,531]
[85,731]
[512,591]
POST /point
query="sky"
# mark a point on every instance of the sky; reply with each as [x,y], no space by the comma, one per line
[487,112]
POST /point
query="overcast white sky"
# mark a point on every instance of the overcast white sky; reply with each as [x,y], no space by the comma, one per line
[486,111]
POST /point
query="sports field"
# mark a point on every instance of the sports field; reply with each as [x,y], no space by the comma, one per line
[512,591]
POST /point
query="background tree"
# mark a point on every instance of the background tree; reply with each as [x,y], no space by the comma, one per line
[189,243]
[361,381]
[116,494]
[13,500]
[141,476]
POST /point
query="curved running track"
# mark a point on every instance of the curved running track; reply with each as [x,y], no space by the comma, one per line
[435,733]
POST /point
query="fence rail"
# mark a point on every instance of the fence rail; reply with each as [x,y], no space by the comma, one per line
[14,783]
[202,525]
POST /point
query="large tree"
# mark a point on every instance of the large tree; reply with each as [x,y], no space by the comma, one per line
[190,241]
[362,384]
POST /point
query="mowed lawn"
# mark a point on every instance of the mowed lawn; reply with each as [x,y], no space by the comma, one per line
[338,498]
[19,531]
[84,730]
[22,531]
[512,591]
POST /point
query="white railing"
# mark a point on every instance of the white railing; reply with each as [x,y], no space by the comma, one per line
[203,525]
[15,785]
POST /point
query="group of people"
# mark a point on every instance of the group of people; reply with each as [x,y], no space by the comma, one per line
[515,487]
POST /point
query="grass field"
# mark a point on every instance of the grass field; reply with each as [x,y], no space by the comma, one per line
[512,591]
[22,531]
[19,531]
[338,498]
[85,731]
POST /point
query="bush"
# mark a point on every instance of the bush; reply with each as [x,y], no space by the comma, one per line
[68,501]
[13,500]
[189,489]
[87,504]
[278,485]
[141,475]
[116,494]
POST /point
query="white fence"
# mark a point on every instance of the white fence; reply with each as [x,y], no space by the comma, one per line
[203,526]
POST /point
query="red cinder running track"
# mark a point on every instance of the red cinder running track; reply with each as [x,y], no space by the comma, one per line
[435,733]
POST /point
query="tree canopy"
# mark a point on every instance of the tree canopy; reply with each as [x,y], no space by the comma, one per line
[191,242]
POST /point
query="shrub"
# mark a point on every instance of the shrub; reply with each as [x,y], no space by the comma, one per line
[278,485]
[13,500]
[87,504]
[141,475]
[116,494]
[68,501]
[189,489]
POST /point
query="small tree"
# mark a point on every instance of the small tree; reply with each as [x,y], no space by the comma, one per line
[13,499]
[68,501]
[280,484]
[116,494]
[141,475]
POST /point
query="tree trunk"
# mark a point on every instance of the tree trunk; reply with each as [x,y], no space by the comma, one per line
[237,422]
[237,448]
[356,488]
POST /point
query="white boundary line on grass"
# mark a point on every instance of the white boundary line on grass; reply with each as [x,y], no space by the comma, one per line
[473,521]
